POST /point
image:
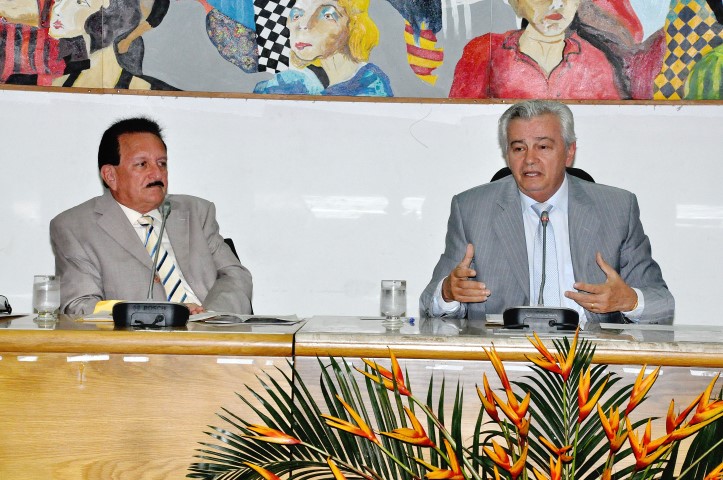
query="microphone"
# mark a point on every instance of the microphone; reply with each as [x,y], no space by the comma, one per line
[544,218]
[541,318]
[165,211]
[151,313]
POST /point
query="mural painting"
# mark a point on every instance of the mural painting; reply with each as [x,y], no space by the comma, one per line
[561,49]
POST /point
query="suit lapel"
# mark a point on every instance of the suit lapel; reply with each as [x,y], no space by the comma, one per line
[177,226]
[584,226]
[114,222]
[510,233]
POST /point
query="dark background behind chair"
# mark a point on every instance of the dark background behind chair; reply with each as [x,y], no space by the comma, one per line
[576,172]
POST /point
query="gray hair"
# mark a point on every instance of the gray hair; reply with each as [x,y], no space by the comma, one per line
[535,108]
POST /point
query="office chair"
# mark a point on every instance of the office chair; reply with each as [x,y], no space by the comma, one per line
[575,172]
[229,242]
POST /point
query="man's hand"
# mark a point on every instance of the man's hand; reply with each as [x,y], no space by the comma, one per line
[457,285]
[195,308]
[612,296]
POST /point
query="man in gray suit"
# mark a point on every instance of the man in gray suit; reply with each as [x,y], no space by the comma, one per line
[99,245]
[604,266]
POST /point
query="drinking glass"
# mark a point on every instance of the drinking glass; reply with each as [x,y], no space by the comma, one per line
[393,303]
[46,295]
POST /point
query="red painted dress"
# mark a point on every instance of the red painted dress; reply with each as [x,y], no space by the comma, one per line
[492,66]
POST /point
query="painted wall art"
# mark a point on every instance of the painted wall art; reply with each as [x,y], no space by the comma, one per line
[664,50]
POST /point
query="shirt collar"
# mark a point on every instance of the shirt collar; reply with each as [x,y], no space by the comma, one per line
[559,200]
[133,216]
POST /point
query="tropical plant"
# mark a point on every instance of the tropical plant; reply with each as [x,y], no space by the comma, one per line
[568,419]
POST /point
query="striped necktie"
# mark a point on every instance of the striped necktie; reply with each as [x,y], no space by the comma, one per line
[167,271]
[551,292]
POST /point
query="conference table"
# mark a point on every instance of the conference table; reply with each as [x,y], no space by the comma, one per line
[82,400]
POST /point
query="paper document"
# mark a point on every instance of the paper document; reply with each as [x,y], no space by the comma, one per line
[229,318]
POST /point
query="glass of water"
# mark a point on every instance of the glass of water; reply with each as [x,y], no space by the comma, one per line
[393,303]
[46,296]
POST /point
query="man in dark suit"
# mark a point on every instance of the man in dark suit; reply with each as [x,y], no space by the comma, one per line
[603,260]
[99,245]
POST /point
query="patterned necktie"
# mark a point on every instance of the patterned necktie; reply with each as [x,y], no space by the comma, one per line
[551,292]
[167,271]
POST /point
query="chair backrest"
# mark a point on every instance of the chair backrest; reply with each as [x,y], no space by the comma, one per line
[575,172]
[230,244]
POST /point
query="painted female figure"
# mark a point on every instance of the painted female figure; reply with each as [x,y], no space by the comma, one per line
[548,58]
[330,44]
[110,30]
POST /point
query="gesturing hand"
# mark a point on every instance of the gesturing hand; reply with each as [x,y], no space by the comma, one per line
[457,285]
[612,296]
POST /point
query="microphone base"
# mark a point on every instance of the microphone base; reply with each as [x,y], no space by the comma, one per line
[541,319]
[150,314]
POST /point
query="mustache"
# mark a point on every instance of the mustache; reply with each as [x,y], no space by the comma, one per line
[157,183]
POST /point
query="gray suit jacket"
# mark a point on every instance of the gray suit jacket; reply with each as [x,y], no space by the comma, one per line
[99,256]
[601,218]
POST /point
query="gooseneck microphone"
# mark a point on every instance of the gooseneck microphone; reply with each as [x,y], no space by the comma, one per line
[544,218]
[151,313]
[165,211]
[540,317]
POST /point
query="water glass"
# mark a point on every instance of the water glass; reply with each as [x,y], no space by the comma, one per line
[394,299]
[46,295]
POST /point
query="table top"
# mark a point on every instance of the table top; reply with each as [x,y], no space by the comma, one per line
[27,333]
[687,345]
[355,336]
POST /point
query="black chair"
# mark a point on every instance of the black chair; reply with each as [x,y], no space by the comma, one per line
[230,244]
[575,172]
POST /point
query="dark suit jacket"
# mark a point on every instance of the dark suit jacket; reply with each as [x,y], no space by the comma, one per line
[601,218]
[99,256]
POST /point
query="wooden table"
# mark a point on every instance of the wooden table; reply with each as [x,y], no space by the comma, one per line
[82,401]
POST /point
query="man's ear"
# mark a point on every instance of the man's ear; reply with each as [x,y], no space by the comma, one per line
[107,173]
[571,150]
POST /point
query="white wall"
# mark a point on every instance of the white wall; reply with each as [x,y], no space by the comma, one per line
[325,199]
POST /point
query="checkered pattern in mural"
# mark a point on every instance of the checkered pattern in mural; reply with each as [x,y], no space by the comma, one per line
[272,34]
[691,31]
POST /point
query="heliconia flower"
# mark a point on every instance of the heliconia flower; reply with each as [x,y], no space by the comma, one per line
[643,458]
[566,360]
[497,472]
[691,428]
[263,472]
[385,377]
[514,413]
[548,361]
[607,474]
[611,427]
[651,446]
[672,422]
[707,409]
[271,435]
[558,363]
[361,428]
[640,388]
[523,429]
[500,369]
[556,469]
[500,457]
[584,403]
[716,473]
[559,452]
[488,400]
[334,469]
[415,436]
[454,472]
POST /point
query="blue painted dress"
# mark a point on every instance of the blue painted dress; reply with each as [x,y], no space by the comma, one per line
[369,81]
